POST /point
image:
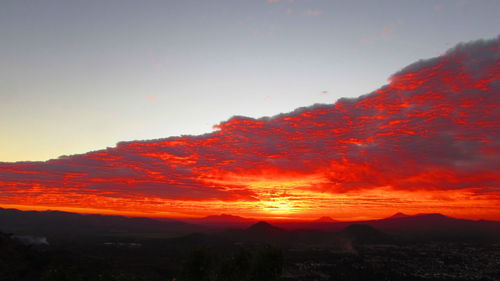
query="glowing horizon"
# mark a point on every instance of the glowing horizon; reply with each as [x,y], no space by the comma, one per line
[427,142]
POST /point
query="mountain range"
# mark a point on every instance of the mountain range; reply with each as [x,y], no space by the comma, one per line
[230,227]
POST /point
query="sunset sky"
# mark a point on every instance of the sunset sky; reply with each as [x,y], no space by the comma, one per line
[268,109]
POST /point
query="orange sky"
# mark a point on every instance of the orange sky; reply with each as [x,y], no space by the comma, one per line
[427,142]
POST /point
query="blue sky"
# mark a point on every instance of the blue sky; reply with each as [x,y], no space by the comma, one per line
[77,76]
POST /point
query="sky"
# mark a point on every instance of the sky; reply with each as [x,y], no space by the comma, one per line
[266,109]
[78,76]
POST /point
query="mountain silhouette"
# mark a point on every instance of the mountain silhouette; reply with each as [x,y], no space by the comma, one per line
[223,221]
[264,228]
[57,222]
[440,227]
[413,227]
[398,215]
[325,219]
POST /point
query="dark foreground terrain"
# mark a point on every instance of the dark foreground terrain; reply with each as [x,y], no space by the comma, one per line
[102,248]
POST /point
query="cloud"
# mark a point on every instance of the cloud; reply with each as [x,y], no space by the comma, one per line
[434,128]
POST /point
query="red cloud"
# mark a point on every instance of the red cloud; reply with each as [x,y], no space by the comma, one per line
[434,129]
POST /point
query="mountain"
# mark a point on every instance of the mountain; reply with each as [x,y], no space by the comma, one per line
[398,215]
[323,223]
[440,227]
[421,227]
[264,228]
[260,232]
[223,221]
[325,219]
[62,223]
[266,233]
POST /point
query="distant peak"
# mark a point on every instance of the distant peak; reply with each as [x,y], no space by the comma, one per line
[399,215]
[432,215]
[225,217]
[229,216]
[325,219]
[261,226]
